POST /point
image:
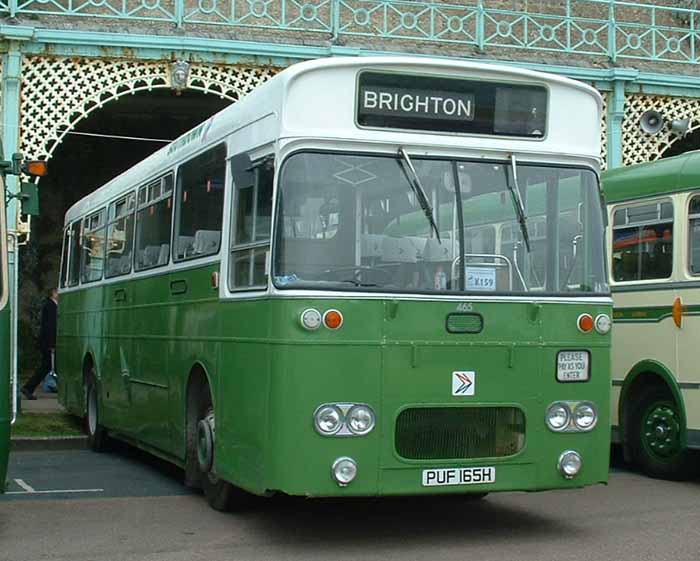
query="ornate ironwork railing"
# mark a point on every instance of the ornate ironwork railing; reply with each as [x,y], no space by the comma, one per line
[608,28]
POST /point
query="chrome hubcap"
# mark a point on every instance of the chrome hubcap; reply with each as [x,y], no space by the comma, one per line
[205,442]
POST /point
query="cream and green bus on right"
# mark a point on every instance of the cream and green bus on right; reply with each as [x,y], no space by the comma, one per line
[654,247]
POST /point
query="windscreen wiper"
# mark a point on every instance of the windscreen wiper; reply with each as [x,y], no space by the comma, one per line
[517,201]
[414,182]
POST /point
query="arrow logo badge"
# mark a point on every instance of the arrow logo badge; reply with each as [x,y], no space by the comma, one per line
[463,383]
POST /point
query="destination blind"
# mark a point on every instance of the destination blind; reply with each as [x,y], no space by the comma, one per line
[451,105]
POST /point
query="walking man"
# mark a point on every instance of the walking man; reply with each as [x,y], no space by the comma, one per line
[47,343]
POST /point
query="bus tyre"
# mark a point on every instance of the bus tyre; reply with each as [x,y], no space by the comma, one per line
[655,436]
[97,436]
[221,495]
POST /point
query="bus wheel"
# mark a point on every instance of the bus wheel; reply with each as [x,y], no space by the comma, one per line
[655,436]
[221,495]
[97,436]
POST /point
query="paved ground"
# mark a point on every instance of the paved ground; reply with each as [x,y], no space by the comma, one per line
[127,506]
[45,403]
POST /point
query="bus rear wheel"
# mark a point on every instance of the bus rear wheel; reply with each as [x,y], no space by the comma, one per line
[97,436]
[221,495]
[655,436]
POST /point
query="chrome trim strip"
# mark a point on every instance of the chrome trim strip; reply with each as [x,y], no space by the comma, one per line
[319,294]
[689,385]
[150,384]
[676,285]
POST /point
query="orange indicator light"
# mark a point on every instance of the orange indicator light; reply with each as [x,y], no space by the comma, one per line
[36,168]
[585,323]
[678,310]
[333,319]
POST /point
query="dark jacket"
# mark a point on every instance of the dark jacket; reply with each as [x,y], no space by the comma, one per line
[47,330]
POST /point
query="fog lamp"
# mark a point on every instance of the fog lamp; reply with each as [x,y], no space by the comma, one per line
[569,464]
[344,471]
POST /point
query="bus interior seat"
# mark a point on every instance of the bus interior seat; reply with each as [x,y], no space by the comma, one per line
[164,254]
[372,245]
[301,255]
[403,250]
[206,241]
[185,246]
[435,251]
[149,256]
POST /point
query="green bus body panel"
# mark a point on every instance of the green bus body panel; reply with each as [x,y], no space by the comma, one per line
[651,179]
[5,413]
[268,375]
[660,370]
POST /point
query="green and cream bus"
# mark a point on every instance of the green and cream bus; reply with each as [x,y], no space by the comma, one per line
[654,244]
[380,276]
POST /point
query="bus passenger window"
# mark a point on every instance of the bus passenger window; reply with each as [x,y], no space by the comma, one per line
[643,242]
[74,255]
[694,236]
[153,219]
[120,236]
[93,247]
[253,216]
[200,195]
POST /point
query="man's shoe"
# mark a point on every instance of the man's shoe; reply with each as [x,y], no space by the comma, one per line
[27,395]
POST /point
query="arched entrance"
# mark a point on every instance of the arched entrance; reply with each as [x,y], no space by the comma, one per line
[65,99]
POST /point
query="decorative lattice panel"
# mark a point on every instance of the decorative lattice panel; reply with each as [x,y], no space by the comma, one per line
[57,93]
[638,146]
[604,133]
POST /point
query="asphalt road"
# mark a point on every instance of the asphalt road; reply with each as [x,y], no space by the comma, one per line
[80,506]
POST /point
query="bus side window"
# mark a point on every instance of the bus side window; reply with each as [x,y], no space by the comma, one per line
[64,257]
[74,254]
[643,242]
[120,236]
[200,196]
[153,220]
[252,214]
[93,247]
[694,236]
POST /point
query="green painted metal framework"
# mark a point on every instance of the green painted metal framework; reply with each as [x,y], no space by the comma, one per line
[587,27]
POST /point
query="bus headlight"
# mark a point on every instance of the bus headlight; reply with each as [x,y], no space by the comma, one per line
[585,416]
[360,419]
[328,419]
[603,323]
[558,416]
[570,464]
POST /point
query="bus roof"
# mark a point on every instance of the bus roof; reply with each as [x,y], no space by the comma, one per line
[660,177]
[303,100]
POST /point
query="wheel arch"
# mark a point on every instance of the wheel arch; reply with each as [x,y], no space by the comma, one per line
[643,375]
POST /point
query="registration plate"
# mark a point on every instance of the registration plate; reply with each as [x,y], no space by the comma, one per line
[573,366]
[459,476]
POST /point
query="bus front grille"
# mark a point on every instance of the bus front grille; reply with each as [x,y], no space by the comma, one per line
[432,433]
